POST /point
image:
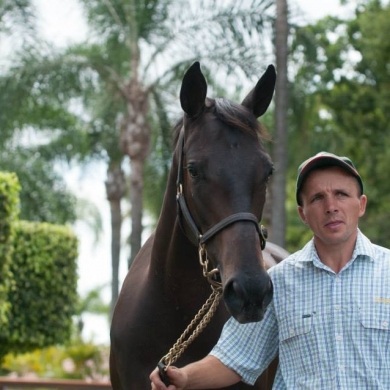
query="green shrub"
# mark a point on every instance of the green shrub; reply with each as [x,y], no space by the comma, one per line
[9,209]
[44,292]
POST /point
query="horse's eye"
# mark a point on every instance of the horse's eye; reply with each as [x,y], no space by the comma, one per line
[192,170]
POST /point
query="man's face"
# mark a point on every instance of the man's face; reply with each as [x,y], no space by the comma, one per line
[332,205]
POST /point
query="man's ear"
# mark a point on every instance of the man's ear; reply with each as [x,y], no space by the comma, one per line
[363,204]
[302,214]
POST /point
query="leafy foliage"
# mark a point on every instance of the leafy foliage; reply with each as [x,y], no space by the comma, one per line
[76,360]
[43,297]
[9,209]
[17,17]
[37,130]
[44,195]
[341,104]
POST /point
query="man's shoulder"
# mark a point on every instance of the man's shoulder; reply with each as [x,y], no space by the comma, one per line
[296,259]
[375,251]
[381,251]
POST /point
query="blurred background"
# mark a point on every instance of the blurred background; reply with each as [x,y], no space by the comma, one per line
[89,95]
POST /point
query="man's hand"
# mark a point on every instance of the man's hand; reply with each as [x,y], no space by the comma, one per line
[177,377]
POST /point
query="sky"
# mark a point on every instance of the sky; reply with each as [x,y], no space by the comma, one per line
[62,22]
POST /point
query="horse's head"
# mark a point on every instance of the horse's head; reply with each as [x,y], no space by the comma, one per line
[223,173]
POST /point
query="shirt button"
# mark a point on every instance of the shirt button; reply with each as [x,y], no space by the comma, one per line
[338,279]
[339,337]
[292,332]
[385,324]
[342,368]
[337,307]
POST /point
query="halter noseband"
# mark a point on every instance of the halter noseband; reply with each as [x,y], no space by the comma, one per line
[197,237]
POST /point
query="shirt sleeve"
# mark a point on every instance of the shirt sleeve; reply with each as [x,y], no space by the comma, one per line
[248,349]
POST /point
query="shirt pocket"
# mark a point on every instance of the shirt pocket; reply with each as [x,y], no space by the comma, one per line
[375,317]
[298,346]
[374,335]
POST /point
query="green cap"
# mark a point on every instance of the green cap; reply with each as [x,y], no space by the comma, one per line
[325,159]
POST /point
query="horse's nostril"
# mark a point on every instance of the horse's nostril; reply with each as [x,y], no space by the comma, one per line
[234,296]
[237,290]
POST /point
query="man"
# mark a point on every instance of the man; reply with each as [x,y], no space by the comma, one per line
[329,320]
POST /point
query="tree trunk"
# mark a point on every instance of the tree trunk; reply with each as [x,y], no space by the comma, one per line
[280,155]
[115,190]
[135,142]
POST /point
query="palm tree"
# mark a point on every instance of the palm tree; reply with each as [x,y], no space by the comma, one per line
[126,80]
[43,196]
[148,44]
[280,151]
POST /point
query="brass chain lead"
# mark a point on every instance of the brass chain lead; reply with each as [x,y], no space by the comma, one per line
[201,319]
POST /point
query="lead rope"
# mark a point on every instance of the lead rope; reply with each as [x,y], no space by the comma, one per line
[203,317]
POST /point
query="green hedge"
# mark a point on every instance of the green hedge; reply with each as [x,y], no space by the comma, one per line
[44,294]
[9,210]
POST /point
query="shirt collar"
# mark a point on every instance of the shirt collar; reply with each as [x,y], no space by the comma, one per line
[363,247]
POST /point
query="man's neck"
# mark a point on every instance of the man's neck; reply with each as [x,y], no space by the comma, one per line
[335,256]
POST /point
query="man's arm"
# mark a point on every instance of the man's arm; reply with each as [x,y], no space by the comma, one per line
[208,373]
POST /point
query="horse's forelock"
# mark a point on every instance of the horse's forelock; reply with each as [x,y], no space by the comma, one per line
[232,114]
[239,117]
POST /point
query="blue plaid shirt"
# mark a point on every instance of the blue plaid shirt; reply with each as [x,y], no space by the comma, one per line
[332,331]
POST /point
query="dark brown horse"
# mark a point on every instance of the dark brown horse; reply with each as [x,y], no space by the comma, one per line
[214,201]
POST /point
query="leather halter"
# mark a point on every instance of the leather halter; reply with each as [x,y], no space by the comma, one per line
[197,238]
[208,309]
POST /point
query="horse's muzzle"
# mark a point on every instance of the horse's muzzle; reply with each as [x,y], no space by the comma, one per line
[247,300]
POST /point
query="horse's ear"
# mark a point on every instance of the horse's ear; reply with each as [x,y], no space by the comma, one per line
[260,97]
[193,91]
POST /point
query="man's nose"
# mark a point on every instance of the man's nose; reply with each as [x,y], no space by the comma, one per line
[331,205]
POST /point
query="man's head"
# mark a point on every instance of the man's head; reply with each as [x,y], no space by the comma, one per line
[321,161]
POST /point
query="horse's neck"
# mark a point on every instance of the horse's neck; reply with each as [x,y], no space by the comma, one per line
[170,244]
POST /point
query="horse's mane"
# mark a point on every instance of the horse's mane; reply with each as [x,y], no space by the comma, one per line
[233,115]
